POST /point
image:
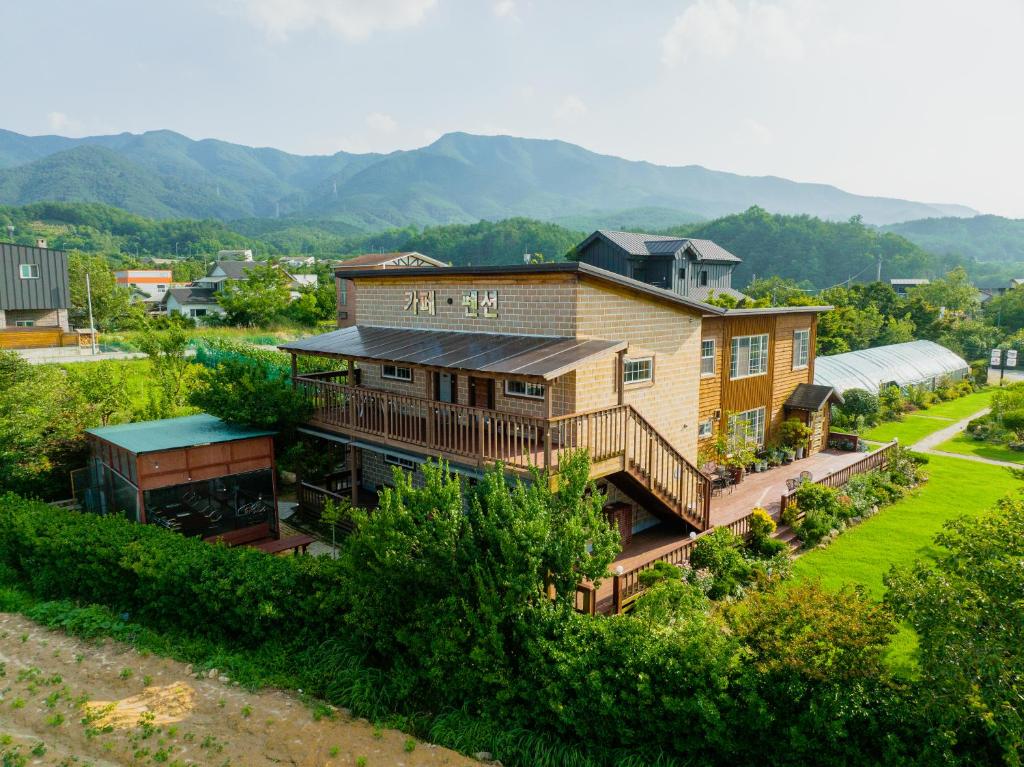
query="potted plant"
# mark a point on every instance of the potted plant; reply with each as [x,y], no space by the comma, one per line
[795,436]
[741,457]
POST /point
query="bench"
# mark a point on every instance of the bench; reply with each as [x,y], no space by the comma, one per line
[243,536]
[296,543]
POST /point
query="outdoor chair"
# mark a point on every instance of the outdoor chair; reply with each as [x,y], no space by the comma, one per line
[806,476]
[791,483]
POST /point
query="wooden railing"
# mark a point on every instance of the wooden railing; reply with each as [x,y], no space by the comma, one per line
[876,460]
[312,498]
[483,436]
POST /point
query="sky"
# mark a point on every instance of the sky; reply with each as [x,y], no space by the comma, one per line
[921,99]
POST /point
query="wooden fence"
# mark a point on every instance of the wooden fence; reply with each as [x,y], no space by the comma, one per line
[626,586]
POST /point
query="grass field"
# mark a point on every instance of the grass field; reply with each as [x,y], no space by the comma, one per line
[918,425]
[964,445]
[905,532]
[128,341]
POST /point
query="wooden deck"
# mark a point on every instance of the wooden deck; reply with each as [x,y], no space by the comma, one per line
[765,489]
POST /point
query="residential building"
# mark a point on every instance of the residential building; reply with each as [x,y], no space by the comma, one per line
[346,288]
[34,297]
[697,269]
[191,301]
[521,364]
[903,284]
[149,284]
[235,255]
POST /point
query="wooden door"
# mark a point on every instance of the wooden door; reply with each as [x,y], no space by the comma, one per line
[481,392]
[447,387]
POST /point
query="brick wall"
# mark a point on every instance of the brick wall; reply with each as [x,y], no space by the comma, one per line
[43,318]
[376,472]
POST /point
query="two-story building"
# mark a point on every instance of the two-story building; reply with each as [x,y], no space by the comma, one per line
[521,364]
[346,288]
[149,284]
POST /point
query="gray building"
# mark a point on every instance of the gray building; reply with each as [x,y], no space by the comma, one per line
[697,269]
[33,287]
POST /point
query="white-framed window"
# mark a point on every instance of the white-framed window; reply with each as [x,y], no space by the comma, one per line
[749,356]
[638,370]
[397,460]
[342,292]
[197,312]
[24,323]
[801,347]
[747,425]
[396,373]
[705,428]
[524,389]
[707,357]
[161,287]
[29,271]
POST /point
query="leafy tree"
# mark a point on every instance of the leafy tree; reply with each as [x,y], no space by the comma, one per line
[257,300]
[860,403]
[112,305]
[104,391]
[967,610]
[251,392]
[780,291]
[1007,311]
[954,292]
[174,375]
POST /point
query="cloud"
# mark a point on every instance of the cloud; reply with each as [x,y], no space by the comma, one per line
[57,121]
[718,28]
[505,9]
[350,19]
[571,109]
[381,123]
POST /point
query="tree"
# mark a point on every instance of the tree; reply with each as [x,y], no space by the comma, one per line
[967,610]
[954,292]
[258,300]
[104,391]
[174,375]
[112,305]
[251,392]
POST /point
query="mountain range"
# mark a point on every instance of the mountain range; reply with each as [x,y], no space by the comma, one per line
[460,178]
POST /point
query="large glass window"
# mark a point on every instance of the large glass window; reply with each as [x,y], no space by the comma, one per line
[707,357]
[524,389]
[747,426]
[214,506]
[801,348]
[749,356]
[396,373]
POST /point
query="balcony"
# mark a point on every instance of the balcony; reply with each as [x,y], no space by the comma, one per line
[618,439]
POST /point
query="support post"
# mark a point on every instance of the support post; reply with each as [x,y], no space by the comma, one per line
[548,396]
[617,595]
[295,369]
[354,489]
[620,372]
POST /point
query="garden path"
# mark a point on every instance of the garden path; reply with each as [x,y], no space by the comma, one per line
[928,444]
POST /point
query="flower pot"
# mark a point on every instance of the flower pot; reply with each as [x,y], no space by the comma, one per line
[800,452]
[737,474]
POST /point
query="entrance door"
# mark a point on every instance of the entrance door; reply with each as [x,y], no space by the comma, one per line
[447,387]
[481,392]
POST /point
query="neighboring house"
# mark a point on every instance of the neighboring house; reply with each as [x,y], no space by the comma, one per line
[522,364]
[902,285]
[697,269]
[234,255]
[346,288]
[986,294]
[34,297]
[150,284]
[191,301]
[297,261]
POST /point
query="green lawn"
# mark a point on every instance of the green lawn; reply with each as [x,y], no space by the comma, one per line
[915,426]
[964,445]
[904,532]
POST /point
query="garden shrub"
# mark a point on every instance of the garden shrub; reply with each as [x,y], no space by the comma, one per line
[860,403]
[720,552]
[760,542]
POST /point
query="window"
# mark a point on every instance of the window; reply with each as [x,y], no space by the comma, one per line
[197,312]
[161,287]
[801,348]
[395,460]
[707,357]
[524,389]
[638,370]
[24,323]
[29,271]
[748,425]
[705,428]
[703,279]
[342,292]
[396,373]
[682,272]
[749,356]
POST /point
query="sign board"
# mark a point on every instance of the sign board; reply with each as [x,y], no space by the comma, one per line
[997,358]
[1011,358]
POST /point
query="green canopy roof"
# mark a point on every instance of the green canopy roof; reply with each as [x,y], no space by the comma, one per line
[172,433]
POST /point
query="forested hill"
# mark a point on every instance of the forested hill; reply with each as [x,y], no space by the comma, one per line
[803,248]
[985,238]
[460,178]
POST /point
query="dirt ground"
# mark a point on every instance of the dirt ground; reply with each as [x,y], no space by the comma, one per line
[67,702]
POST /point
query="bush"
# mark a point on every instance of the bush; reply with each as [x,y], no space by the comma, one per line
[860,403]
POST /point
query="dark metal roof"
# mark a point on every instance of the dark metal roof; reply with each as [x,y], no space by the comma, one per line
[191,295]
[811,397]
[639,244]
[47,291]
[544,357]
[560,267]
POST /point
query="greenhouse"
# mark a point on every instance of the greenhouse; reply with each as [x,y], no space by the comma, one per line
[917,363]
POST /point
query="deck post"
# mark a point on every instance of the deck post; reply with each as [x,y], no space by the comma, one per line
[352,474]
[431,414]
[547,426]
[295,369]
[617,595]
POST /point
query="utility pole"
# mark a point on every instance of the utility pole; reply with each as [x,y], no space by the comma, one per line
[878,273]
[92,325]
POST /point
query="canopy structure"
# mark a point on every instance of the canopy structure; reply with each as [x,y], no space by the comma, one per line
[545,357]
[917,363]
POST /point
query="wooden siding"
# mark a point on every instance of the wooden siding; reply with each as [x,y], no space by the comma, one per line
[786,378]
[192,464]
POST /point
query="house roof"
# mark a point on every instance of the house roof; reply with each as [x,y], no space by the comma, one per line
[235,270]
[545,357]
[706,292]
[639,244]
[909,281]
[811,397]
[174,433]
[559,267]
[192,295]
[378,259]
